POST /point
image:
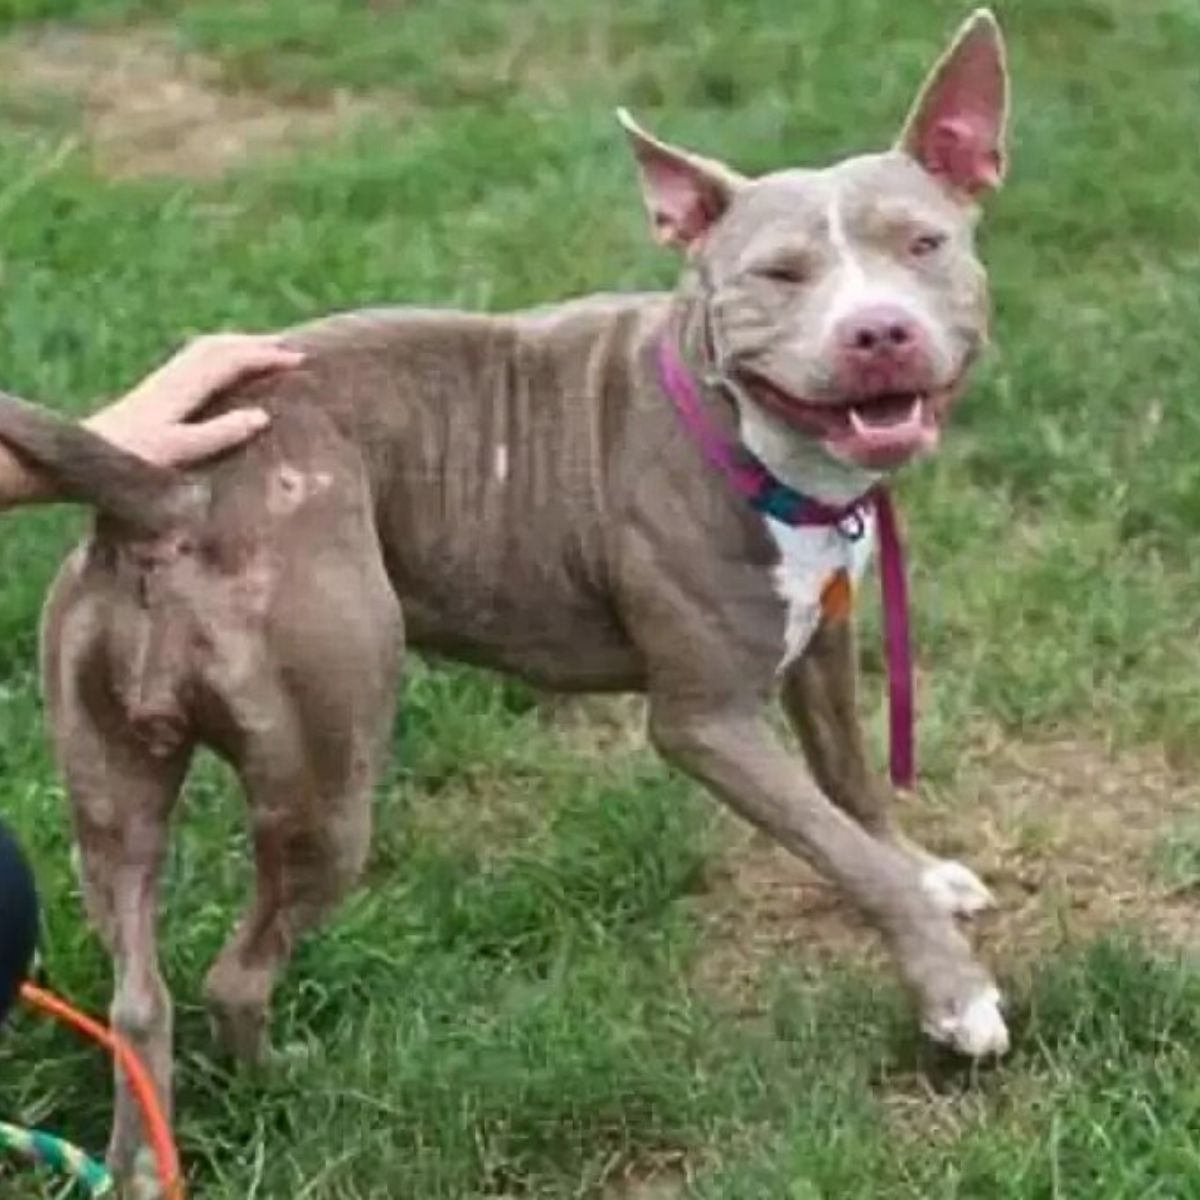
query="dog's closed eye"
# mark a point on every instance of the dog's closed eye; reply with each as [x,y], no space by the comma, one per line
[787,270]
[927,243]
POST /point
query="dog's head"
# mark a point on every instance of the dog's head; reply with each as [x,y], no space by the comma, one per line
[847,304]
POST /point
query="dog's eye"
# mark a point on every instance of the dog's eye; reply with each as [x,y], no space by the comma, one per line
[785,272]
[925,244]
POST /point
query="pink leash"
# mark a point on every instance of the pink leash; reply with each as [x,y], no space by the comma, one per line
[771,496]
[897,643]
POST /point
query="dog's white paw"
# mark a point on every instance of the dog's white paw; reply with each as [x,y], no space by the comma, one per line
[955,889]
[977,1031]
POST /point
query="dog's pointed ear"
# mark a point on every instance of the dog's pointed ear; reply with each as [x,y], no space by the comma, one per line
[684,193]
[958,126]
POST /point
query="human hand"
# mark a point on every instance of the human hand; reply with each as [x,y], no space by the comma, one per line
[151,420]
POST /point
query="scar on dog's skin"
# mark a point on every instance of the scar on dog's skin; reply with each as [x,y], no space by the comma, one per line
[515,491]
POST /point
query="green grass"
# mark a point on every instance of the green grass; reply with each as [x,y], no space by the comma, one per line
[509,1009]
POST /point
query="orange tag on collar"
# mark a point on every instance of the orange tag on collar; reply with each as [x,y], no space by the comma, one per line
[837,596]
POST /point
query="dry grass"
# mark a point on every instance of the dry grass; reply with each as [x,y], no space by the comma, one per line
[596,725]
[144,108]
[1065,833]
[664,1178]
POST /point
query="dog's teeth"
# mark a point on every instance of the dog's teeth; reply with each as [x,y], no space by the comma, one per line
[914,413]
[856,422]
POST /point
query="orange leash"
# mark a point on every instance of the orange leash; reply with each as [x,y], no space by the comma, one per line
[158,1131]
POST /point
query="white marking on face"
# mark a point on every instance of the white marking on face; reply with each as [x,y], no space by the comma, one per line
[852,270]
[500,465]
[853,288]
[856,289]
[808,557]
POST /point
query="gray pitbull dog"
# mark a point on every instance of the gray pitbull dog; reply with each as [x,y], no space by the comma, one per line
[518,491]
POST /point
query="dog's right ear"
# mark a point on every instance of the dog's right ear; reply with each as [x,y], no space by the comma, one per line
[684,193]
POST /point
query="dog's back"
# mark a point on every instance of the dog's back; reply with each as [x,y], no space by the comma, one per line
[450,459]
[488,448]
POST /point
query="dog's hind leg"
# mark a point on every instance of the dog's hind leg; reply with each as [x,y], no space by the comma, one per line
[819,696]
[121,797]
[310,843]
[309,745]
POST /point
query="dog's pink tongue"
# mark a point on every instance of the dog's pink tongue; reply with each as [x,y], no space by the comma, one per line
[888,441]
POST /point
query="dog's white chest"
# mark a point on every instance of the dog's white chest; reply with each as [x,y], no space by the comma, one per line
[810,557]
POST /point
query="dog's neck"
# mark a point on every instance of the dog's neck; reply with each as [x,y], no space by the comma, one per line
[800,462]
[796,460]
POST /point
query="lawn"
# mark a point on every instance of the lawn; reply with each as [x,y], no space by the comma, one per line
[568,975]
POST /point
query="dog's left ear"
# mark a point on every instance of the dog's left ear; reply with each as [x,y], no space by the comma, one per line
[684,193]
[957,127]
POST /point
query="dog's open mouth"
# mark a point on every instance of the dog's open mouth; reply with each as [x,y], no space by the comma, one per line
[887,429]
[877,432]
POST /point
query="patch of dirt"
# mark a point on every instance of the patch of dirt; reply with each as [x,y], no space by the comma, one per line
[145,108]
[760,906]
[1066,834]
[666,1178]
[1070,837]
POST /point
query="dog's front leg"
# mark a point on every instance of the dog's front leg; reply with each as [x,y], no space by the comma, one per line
[732,749]
[820,698]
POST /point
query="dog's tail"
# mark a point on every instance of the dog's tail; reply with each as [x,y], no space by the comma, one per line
[85,468]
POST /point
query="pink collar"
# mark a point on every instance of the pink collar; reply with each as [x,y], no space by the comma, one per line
[769,495]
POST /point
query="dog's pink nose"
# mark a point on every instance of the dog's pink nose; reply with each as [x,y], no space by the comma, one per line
[883,331]
[881,347]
